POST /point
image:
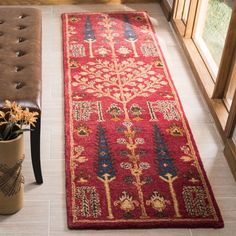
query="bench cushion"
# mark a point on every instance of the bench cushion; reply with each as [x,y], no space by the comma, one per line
[20,56]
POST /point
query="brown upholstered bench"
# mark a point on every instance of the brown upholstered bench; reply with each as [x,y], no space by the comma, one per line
[20,67]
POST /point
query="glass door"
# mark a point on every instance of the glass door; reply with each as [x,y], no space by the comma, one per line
[213,17]
[207,31]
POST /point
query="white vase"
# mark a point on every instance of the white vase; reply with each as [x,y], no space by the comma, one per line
[11,179]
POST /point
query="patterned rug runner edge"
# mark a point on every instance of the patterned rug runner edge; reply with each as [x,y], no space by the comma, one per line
[161,190]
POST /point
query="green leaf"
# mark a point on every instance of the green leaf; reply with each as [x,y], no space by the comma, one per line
[7,131]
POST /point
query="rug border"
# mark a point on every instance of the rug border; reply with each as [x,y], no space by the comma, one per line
[66,116]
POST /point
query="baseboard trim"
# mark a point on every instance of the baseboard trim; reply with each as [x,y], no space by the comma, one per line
[230,154]
[58,2]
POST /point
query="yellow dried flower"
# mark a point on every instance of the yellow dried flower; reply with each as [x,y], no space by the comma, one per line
[13,106]
[15,117]
[29,117]
[8,104]
[2,114]
[14,120]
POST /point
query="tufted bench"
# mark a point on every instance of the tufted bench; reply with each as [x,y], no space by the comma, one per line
[20,67]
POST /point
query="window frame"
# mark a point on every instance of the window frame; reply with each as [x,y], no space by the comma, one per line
[214,90]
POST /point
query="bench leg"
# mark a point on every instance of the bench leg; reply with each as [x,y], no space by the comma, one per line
[35,150]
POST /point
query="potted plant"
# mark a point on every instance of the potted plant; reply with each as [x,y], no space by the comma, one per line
[14,120]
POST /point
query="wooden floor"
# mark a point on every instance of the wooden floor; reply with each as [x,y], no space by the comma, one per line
[44,212]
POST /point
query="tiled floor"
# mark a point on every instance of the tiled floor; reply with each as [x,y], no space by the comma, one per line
[44,212]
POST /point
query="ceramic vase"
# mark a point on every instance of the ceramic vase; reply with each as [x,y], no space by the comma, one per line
[11,179]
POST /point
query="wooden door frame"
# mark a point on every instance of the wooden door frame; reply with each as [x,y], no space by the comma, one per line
[213,92]
[227,60]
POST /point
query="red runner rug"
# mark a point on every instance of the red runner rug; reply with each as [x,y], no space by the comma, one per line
[131,160]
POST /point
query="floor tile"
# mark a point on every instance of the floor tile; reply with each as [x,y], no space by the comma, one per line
[228,230]
[33,211]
